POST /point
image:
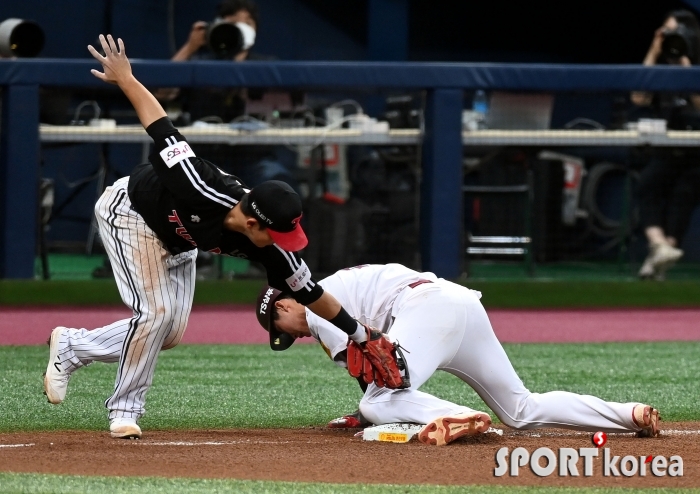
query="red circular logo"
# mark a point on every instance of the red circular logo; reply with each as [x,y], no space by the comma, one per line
[599,439]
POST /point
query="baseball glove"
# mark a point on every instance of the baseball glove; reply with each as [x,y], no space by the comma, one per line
[378,360]
[358,364]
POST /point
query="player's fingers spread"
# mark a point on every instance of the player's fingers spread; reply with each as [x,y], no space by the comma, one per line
[112,44]
[98,74]
[105,46]
[95,53]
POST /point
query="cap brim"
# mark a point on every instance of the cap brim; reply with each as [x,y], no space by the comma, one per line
[279,341]
[290,241]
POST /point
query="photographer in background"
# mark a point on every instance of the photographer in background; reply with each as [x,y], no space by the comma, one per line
[254,164]
[233,12]
[669,183]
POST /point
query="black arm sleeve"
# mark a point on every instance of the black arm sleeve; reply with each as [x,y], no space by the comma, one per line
[345,322]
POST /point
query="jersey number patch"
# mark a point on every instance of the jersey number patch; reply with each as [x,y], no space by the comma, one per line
[175,153]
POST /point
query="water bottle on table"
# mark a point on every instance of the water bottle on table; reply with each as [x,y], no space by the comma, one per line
[480,105]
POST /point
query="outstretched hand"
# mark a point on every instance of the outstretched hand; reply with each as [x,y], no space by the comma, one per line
[115,64]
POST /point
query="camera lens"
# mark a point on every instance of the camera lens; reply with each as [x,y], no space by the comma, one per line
[20,38]
[674,46]
[225,40]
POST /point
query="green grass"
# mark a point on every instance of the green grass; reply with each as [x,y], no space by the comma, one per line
[222,386]
[497,294]
[104,292]
[80,266]
[504,285]
[33,483]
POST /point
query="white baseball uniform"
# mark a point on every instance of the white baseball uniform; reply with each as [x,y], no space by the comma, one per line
[443,325]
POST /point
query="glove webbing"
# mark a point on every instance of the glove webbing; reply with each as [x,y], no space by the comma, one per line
[401,364]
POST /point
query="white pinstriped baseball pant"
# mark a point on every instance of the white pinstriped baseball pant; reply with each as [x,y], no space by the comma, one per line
[156,285]
[444,326]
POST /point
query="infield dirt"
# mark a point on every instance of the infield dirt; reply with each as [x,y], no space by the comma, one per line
[325,455]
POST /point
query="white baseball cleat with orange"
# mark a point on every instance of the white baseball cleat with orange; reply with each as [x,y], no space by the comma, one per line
[648,419]
[444,430]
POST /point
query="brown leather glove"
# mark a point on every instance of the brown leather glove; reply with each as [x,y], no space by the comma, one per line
[381,354]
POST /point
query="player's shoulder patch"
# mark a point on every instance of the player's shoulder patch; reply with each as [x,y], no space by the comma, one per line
[175,153]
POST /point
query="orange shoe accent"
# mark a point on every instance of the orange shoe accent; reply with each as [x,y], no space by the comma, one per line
[444,430]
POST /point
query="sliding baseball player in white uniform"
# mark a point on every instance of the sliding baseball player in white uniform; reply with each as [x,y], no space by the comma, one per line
[151,224]
[442,325]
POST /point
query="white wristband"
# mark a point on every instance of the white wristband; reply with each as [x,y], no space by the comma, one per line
[359,336]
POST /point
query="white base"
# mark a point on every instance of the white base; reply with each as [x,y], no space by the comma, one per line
[401,432]
[392,433]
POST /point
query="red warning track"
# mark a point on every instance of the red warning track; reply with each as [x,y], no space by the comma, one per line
[237,324]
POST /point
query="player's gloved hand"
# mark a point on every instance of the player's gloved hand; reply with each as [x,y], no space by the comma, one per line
[358,364]
[381,353]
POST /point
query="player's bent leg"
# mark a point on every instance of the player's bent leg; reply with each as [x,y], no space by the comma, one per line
[138,358]
[429,324]
[81,347]
[142,268]
[483,364]
[71,349]
[388,406]
[572,411]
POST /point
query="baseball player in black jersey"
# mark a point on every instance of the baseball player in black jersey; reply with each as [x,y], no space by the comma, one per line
[152,224]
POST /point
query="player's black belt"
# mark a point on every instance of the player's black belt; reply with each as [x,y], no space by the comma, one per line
[419,282]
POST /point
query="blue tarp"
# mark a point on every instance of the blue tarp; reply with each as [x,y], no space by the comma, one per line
[358,75]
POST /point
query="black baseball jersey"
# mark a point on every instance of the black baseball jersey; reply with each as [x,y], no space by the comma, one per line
[184,199]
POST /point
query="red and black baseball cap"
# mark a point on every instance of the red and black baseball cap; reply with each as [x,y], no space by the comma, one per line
[275,205]
[264,309]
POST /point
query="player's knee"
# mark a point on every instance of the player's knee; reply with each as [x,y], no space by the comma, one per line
[510,421]
[368,410]
[171,343]
[520,415]
[173,339]
[160,319]
[373,404]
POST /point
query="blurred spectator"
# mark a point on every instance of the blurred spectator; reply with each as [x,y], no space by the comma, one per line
[669,184]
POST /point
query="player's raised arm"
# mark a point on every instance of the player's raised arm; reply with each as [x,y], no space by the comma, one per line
[117,70]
